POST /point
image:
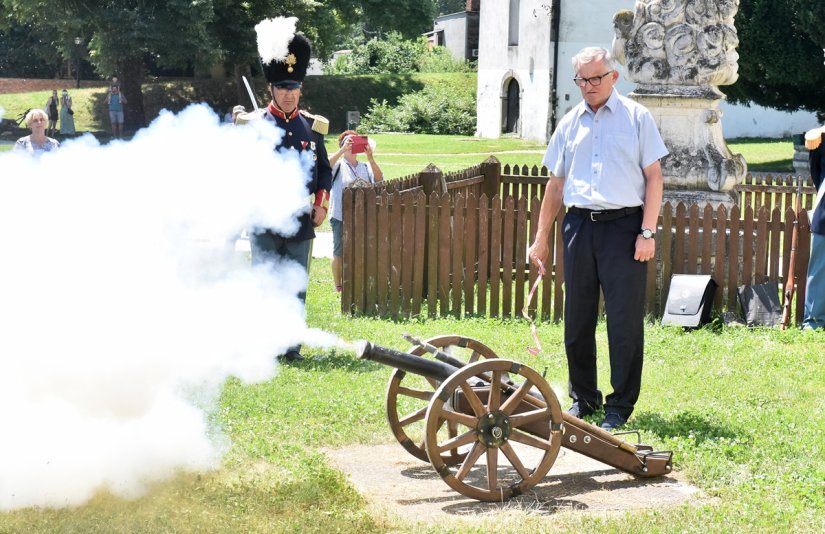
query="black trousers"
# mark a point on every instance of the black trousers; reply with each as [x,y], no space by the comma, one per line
[600,255]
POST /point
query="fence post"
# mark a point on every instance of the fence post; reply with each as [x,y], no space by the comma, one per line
[491,169]
[432,179]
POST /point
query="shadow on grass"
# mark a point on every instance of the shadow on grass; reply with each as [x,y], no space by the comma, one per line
[684,424]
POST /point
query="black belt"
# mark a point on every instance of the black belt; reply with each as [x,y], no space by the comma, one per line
[604,215]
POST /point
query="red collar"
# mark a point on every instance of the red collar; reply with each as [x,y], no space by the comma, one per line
[278,112]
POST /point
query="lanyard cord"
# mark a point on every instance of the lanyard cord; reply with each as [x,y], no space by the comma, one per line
[533,351]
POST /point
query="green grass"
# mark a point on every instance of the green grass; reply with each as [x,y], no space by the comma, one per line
[740,408]
[765,155]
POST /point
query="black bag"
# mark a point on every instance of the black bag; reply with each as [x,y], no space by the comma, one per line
[71,111]
[689,300]
[760,304]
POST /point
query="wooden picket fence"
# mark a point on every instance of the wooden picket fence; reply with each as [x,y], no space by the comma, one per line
[456,244]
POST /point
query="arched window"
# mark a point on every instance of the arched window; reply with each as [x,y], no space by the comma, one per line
[512,31]
[511,107]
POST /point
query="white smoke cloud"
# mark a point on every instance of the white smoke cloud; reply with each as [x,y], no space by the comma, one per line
[121,310]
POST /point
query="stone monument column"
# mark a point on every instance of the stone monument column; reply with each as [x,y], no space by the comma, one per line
[679,52]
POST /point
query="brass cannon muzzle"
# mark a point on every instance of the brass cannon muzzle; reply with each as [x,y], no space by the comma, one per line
[407,362]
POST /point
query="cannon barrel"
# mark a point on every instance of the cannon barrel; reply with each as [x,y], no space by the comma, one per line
[401,360]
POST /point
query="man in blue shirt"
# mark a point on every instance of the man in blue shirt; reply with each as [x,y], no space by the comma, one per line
[604,163]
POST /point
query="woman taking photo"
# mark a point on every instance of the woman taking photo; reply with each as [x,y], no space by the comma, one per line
[347,171]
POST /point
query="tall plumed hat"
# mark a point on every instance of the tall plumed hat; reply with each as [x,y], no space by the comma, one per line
[284,53]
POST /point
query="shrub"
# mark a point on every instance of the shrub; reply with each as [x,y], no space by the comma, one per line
[433,110]
[396,55]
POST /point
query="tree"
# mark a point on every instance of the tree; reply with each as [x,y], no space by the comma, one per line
[446,7]
[780,54]
[123,34]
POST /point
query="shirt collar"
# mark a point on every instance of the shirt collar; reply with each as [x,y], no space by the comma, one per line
[281,114]
[611,104]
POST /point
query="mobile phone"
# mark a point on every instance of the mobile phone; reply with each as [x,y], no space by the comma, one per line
[359,143]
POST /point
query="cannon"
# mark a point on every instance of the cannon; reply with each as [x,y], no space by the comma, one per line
[491,427]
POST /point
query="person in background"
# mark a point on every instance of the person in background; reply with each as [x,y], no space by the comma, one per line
[66,114]
[115,101]
[604,164]
[52,109]
[37,142]
[346,171]
[285,57]
[815,288]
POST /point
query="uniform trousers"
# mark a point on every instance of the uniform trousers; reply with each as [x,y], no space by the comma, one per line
[600,255]
[815,290]
[269,248]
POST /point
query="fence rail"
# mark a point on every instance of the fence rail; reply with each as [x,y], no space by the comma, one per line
[456,244]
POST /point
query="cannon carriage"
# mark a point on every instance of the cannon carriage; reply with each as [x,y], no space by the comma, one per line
[491,427]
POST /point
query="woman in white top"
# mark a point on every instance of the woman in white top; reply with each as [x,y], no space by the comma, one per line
[37,142]
[346,170]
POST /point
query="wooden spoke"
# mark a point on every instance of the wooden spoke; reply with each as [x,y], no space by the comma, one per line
[492,468]
[472,398]
[455,417]
[515,461]
[494,401]
[525,418]
[416,416]
[458,441]
[493,432]
[530,440]
[405,391]
[468,463]
[515,399]
[415,393]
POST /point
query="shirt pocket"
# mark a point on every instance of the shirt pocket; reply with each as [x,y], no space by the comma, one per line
[622,146]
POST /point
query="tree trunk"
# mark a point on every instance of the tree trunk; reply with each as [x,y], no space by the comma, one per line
[131,80]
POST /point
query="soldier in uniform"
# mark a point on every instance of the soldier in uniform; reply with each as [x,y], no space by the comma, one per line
[285,58]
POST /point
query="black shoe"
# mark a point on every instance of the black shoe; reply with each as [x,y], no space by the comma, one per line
[581,409]
[292,356]
[612,421]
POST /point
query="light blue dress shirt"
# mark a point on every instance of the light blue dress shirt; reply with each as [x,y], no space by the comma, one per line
[601,155]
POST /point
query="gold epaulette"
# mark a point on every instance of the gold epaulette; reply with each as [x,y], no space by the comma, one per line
[319,124]
[813,138]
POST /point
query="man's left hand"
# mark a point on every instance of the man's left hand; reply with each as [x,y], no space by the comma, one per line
[645,249]
[319,213]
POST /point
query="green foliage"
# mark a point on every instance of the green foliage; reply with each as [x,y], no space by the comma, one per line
[393,55]
[446,7]
[443,109]
[439,59]
[780,55]
[396,55]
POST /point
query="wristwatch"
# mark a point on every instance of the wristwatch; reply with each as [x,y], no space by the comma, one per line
[647,233]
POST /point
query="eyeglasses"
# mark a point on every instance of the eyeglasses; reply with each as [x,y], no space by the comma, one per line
[595,81]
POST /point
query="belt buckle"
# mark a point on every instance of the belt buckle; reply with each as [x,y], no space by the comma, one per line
[593,215]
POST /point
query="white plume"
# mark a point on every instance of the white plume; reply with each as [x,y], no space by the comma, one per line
[274,36]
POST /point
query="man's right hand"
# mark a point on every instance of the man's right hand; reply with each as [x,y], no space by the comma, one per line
[539,252]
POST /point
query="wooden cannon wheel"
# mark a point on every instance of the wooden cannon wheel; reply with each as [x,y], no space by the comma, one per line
[411,394]
[490,428]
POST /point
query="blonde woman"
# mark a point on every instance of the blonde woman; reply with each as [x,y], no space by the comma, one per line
[37,142]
